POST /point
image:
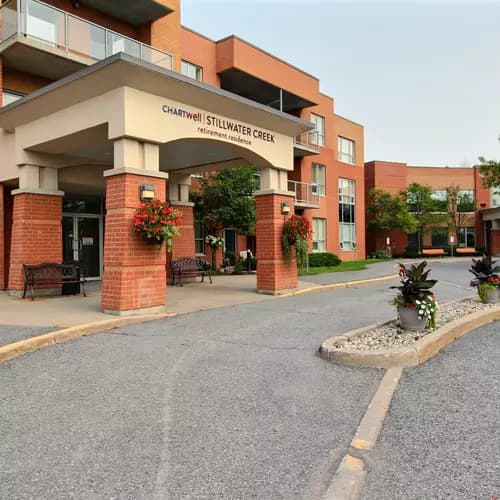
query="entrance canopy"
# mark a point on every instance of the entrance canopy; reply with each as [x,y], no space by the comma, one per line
[77,121]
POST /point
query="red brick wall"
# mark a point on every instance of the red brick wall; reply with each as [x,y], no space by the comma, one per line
[134,269]
[495,241]
[273,274]
[36,233]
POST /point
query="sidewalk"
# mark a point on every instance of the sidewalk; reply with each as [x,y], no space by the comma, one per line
[21,319]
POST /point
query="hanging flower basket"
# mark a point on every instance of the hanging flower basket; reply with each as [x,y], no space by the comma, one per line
[297,231]
[157,222]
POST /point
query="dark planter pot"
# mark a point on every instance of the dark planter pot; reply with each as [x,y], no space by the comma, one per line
[410,320]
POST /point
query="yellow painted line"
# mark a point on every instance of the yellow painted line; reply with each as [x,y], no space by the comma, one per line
[361,444]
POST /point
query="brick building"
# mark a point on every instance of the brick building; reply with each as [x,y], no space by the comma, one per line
[480,223]
[102,97]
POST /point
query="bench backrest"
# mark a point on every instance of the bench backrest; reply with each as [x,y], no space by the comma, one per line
[188,264]
[49,272]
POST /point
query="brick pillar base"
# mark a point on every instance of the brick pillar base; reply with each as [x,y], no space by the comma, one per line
[2,240]
[274,276]
[36,236]
[495,241]
[134,278]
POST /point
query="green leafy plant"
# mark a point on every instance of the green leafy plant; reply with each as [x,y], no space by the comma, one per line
[297,231]
[324,259]
[482,291]
[214,242]
[157,221]
[415,291]
[483,269]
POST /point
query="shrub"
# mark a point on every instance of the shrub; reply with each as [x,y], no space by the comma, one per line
[324,259]
[378,254]
[241,265]
[231,257]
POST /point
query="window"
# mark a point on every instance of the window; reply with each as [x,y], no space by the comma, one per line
[439,237]
[466,200]
[467,237]
[318,179]
[345,150]
[439,200]
[199,240]
[347,205]
[495,198]
[8,97]
[318,136]
[319,235]
[192,71]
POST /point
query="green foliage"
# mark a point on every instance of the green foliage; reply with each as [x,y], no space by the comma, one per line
[482,290]
[422,206]
[241,265]
[323,259]
[459,203]
[415,284]
[490,172]
[297,231]
[387,212]
[225,199]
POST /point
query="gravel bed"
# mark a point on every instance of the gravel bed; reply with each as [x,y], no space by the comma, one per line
[391,335]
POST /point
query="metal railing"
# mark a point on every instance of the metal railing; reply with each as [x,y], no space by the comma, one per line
[310,140]
[60,29]
[305,193]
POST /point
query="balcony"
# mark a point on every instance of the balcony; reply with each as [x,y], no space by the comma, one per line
[39,39]
[306,144]
[306,195]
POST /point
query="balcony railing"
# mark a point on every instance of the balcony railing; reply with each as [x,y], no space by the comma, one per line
[309,140]
[306,195]
[59,29]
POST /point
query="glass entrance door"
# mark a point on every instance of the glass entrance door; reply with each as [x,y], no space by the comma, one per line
[82,243]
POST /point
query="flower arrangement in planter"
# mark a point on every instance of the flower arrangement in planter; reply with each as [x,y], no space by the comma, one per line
[157,222]
[416,304]
[214,242]
[486,280]
[297,231]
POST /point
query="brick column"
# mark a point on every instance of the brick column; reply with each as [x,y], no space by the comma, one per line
[274,276]
[36,234]
[2,239]
[134,277]
[495,241]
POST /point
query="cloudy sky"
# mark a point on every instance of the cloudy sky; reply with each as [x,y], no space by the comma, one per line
[422,76]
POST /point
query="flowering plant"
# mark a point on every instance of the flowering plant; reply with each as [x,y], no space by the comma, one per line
[297,230]
[427,308]
[415,292]
[158,221]
[214,241]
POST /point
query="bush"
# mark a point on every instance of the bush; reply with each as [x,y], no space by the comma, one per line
[241,265]
[231,257]
[378,254]
[324,259]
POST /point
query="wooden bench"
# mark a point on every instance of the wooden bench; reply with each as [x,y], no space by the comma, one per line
[466,251]
[188,266]
[51,273]
[434,252]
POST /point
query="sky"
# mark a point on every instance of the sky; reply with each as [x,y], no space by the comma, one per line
[422,76]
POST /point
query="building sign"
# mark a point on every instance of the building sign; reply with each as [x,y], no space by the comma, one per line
[222,128]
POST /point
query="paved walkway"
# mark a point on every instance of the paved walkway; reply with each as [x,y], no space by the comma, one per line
[441,437]
[50,313]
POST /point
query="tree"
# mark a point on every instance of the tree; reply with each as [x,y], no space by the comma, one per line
[389,213]
[490,171]
[422,206]
[460,203]
[225,199]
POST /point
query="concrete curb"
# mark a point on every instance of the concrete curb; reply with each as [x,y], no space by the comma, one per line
[344,284]
[348,479]
[409,356]
[16,349]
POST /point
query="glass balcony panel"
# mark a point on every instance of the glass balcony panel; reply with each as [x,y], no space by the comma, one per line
[44,23]
[118,43]
[157,57]
[86,38]
[8,20]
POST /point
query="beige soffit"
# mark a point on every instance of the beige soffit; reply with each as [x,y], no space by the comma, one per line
[122,70]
